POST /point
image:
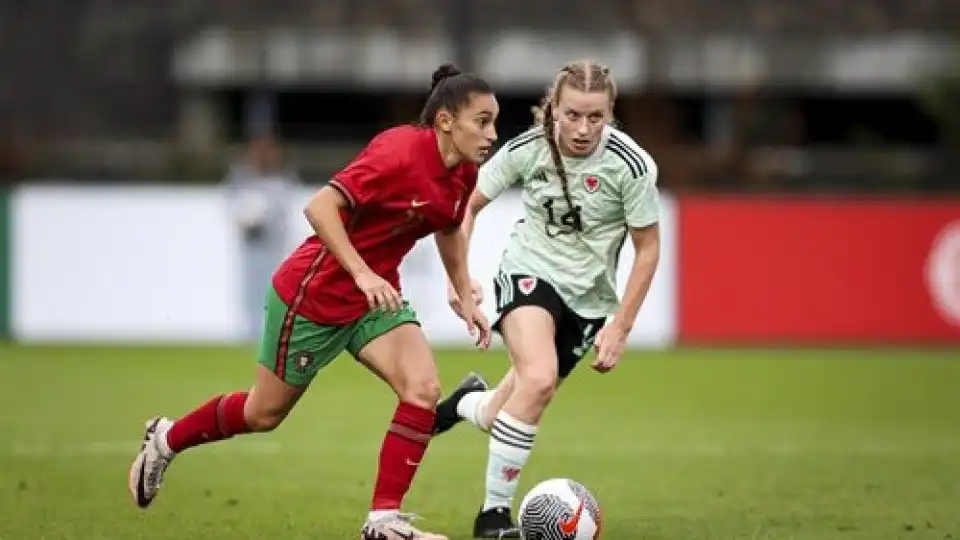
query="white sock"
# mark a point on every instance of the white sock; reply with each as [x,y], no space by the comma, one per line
[473,406]
[510,444]
[376,515]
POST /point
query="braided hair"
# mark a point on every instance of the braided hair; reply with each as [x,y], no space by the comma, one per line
[585,76]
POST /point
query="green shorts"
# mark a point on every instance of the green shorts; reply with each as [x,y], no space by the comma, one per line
[295,349]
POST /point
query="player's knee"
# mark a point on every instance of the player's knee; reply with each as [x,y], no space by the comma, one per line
[540,385]
[262,421]
[421,390]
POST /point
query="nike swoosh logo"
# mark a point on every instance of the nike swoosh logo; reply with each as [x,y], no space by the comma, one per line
[569,527]
[141,488]
[412,463]
[417,204]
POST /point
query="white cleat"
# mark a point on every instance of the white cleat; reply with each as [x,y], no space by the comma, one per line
[146,473]
[395,527]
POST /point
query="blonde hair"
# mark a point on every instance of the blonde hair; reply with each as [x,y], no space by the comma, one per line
[583,75]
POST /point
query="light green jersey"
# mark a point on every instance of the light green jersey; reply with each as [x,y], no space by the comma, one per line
[615,189]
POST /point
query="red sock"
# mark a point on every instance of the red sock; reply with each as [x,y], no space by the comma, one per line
[400,455]
[216,420]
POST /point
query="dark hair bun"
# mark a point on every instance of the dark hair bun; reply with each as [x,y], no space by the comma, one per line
[442,72]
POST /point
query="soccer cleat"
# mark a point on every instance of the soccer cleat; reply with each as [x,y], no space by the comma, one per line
[447,416]
[146,473]
[495,523]
[395,527]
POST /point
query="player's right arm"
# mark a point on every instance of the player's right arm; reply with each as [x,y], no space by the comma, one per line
[323,213]
[358,184]
[497,175]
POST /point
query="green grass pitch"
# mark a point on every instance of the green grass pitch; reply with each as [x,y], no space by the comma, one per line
[677,445]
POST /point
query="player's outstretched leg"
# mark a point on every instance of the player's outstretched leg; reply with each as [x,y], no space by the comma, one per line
[399,354]
[262,409]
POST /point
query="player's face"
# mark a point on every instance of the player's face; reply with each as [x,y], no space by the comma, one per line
[580,117]
[473,131]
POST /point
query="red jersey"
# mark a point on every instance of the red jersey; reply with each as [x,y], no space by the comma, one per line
[399,191]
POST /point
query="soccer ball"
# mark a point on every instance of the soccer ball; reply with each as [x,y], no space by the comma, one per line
[559,509]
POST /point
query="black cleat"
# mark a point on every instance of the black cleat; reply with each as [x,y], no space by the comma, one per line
[495,523]
[447,416]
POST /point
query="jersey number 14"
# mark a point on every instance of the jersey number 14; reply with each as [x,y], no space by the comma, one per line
[569,222]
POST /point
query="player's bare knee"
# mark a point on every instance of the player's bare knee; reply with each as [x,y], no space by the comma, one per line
[263,421]
[422,391]
[261,417]
[539,385]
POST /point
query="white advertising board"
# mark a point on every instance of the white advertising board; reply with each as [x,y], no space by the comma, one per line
[127,264]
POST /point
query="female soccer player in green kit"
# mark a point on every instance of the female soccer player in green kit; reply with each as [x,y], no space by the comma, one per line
[339,291]
[586,188]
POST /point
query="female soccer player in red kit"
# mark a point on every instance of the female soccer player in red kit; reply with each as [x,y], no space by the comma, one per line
[339,292]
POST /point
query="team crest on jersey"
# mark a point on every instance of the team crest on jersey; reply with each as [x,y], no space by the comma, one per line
[527,284]
[303,360]
[592,183]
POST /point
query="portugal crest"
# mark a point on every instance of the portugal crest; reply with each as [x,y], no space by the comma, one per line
[591,183]
[527,284]
[303,360]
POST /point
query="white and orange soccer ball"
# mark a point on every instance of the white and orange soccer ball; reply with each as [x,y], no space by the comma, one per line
[559,509]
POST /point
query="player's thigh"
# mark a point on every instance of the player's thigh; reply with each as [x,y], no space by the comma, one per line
[393,346]
[529,333]
[528,310]
[575,337]
[293,350]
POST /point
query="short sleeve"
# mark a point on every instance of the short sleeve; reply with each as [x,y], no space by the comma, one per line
[366,178]
[641,198]
[498,173]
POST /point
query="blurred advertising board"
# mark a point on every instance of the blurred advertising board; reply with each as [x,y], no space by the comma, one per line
[819,271]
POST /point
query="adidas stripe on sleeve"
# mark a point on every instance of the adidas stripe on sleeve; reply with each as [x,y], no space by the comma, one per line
[641,201]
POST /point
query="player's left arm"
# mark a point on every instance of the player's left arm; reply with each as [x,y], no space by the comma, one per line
[454,241]
[490,181]
[646,245]
[452,245]
[641,204]
[486,184]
